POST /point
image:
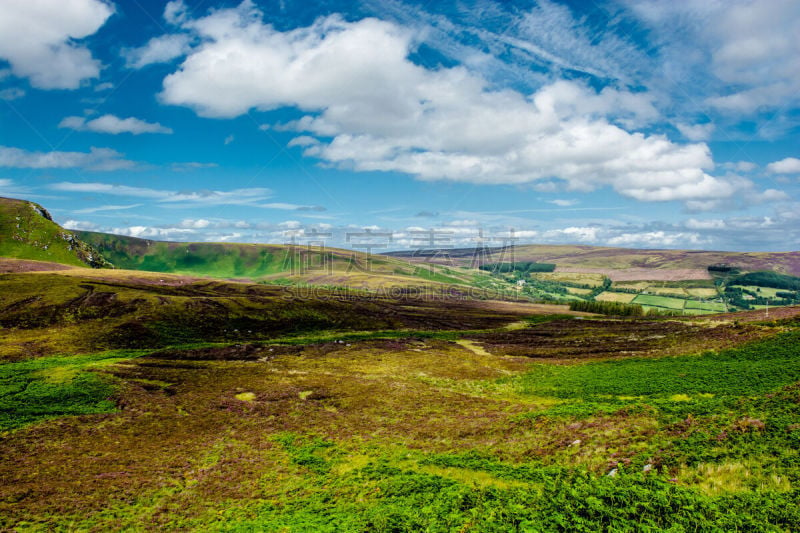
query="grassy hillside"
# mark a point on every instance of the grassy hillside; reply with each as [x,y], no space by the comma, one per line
[28,232]
[273,263]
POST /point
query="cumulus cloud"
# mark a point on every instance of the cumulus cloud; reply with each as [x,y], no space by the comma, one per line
[657,239]
[790,165]
[151,232]
[38,40]
[113,125]
[696,132]
[383,112]
[162,49]
[175,12]
[303,140]
[99,159]
[740,166]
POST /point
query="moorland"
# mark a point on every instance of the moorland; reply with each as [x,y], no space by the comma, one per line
[148,385]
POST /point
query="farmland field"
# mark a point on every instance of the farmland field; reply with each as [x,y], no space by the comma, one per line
[767,292]
[593,280]
[703,293]
[610,296]
[706,306]
[578,291]
[666,302]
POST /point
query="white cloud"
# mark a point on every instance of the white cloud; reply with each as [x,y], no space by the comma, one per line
[302,140]
[192,165]
[249,197]
[790,165]
[105,208]
[145,232]
[100,159]
[657,239]
[562,202]
[113,125]
[694,223]
[10,189]
[196,224]
[175,12]
[229,139]
[13,93]
[743,54]
[162,49]
[37,39]
[79,225]
[696,132]
[740,166]
[383,112]
[292,207]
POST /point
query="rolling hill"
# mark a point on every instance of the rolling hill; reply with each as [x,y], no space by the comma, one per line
[28,232]
[269,262]
[605,259]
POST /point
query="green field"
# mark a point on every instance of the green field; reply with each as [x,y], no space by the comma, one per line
[665,302]
[716,307]
[766,292]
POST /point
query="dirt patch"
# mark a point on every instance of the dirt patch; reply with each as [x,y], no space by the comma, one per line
[12,266]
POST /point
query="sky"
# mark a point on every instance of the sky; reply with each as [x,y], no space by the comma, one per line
[406,124]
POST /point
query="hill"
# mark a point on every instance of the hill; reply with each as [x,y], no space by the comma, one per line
[274,263]
[27,231]
[604,260]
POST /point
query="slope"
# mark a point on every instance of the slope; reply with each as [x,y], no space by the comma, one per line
[27,231]
[273,263]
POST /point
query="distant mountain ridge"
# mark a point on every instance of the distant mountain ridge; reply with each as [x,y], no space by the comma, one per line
[596,257]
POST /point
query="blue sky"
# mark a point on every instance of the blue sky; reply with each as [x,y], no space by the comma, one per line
[635,123]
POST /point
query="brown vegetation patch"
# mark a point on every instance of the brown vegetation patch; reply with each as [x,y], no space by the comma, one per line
[643,274]
[605,338]
[8,265]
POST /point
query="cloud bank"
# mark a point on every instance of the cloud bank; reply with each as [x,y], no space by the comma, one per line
[372,109]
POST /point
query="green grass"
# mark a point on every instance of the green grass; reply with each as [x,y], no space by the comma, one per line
[39,389]
[716,307]
[666,302]
[753,369]
[27,232]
